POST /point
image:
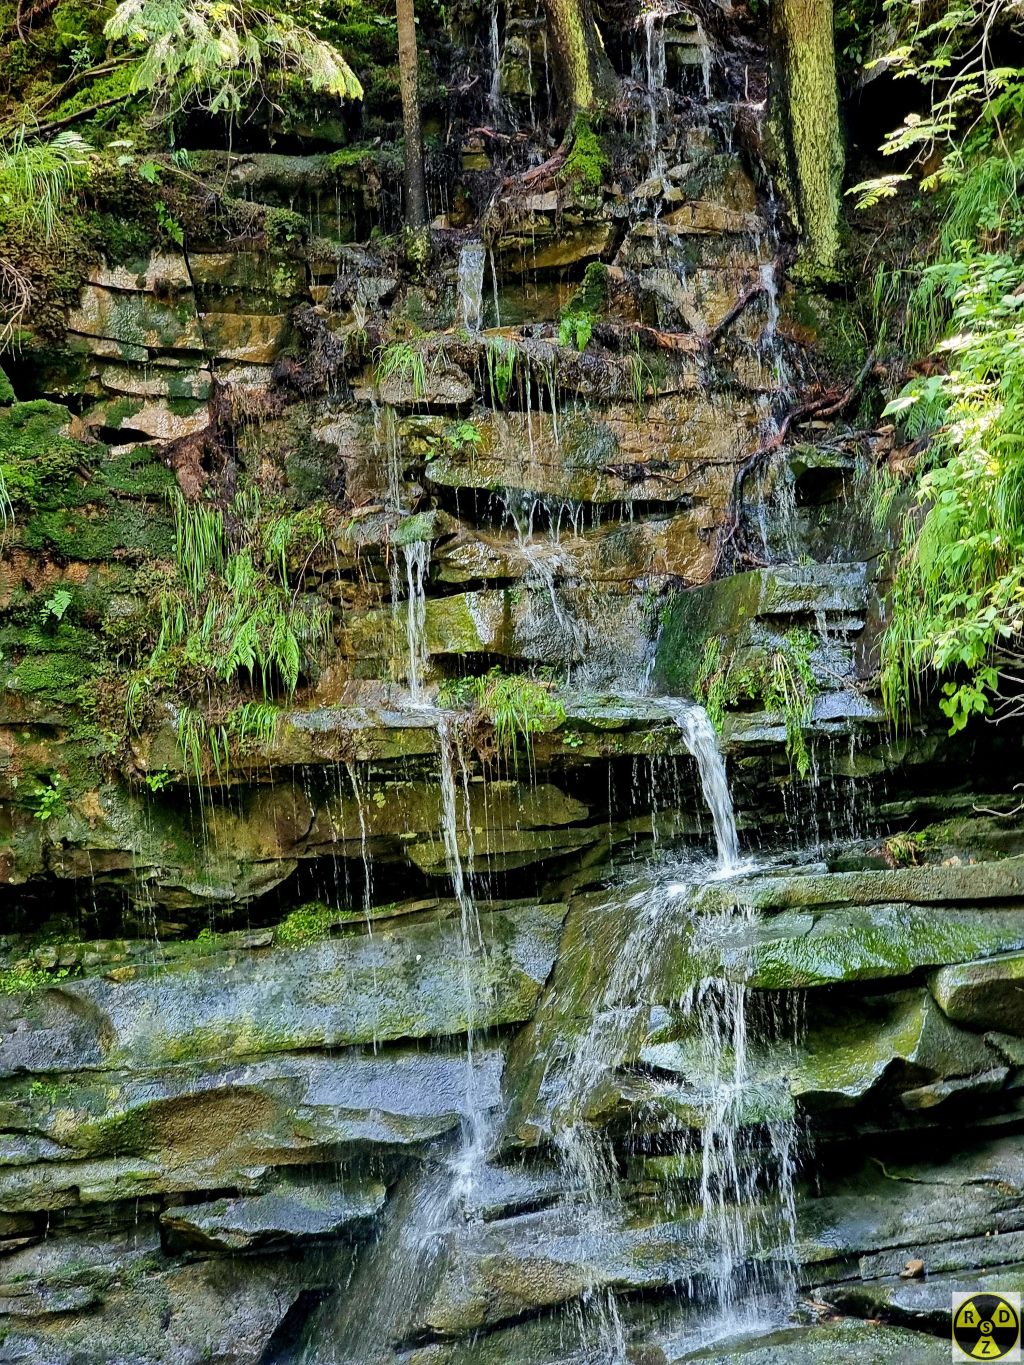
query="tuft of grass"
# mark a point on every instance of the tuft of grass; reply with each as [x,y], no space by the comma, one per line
[517,708]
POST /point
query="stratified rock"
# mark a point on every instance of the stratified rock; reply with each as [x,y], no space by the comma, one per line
[290,1213]
[115,1137]
[851,1342]
[984,995]
[408,981]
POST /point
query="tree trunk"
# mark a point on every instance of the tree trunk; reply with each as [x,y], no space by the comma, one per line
[583,73]
[806,124]
[415,183]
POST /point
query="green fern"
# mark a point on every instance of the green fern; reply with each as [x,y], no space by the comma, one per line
[220,54]
[39,179]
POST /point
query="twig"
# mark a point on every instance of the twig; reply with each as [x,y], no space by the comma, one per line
[37,11]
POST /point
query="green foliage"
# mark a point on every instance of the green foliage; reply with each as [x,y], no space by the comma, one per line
[576,323]
[957,604]
[223,54]
[501,355]
[780,680]
[203,743]
[517,708]
[24,977]
[37,461]
[56,605]
[402,361]
[584,168]
[38,179]
[158,781]
[50,799]
[306,924]
[231,621]
[642,380]
[956,607]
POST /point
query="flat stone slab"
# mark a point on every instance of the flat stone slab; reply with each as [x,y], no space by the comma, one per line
[293,1213]
[853,1343]
[984,994]
[401,981]
[186,1129]
[794,950]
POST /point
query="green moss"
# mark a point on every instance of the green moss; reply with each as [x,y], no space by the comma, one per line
[306,924]
[121,410]
[6,389]
[54,676]
[584,168]
[101,531]
[38,461]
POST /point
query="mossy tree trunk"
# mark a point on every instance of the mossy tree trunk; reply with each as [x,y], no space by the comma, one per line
[583,73]
[805,123]
[415,181]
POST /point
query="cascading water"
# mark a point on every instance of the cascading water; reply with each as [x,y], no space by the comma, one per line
[736,1223]
[472,262]
[394,1279]
[417,563]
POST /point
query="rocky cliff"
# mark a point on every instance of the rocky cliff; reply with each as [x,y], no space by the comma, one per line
[368,987]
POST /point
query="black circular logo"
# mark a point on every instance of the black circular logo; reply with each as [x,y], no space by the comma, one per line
[986,1327]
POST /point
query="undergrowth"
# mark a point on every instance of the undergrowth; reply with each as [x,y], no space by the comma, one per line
[516,708]
[232,623]
[780,681]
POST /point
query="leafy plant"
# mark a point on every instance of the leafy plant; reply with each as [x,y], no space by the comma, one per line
[221,54]
[56,605]
[231,622]
[781,680]
[158,781]
[38,179]
[957,604]
[517,708]
[51,799]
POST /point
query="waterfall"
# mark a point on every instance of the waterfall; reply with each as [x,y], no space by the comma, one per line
[477,1136]
[747,1192]
[394,1278]
[734,1228]
[654,59]
[472,260]
[417,562]
[702,743]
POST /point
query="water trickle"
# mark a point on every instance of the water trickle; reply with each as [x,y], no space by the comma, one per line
[748,1156]
[364,837]
[494,93]
[472,260]
[417,563]
[653,72]
[458,834]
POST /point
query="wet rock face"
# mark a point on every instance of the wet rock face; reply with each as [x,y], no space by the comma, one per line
[259,1000]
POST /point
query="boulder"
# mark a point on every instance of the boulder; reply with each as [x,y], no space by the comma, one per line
[985,995]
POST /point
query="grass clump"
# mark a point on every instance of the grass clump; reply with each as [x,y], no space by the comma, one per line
[515,707]
[231,623]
